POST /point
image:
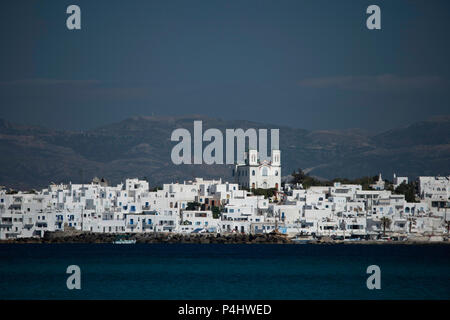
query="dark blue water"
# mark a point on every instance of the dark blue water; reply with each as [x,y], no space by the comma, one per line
[183,271]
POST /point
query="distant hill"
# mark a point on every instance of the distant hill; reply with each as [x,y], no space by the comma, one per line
[433,132]
[34,156]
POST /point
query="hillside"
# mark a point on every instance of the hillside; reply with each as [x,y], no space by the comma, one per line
[33,156]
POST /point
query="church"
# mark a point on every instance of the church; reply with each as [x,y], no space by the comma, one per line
[259,174]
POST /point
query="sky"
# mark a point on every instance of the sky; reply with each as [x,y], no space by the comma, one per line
[307,64]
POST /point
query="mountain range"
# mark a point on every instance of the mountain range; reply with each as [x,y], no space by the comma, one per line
[34,156]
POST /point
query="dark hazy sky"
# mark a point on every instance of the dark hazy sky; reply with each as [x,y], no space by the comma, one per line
[310,64]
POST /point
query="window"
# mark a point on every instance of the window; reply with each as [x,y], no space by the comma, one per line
[276,173]
[253,172]
[264,171]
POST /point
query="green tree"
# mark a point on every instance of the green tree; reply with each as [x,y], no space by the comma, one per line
[408,190]
[216,212]
[267,193]
[306,181]
[298,177]
[365,182]
[191,206]
[386,223]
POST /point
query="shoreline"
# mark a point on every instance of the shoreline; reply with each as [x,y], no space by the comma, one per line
[160,238]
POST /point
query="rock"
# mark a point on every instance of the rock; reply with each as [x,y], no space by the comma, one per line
[76,236]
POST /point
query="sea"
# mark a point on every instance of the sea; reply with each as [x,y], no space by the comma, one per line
[224,271]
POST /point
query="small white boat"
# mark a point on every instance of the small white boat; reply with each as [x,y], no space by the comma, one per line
[124,241]
[302,240]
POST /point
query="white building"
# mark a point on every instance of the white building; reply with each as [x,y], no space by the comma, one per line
[399,180]
[435,191]
[256,173]
[341,211]
[379,185]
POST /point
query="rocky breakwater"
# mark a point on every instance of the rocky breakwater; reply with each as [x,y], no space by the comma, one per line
[205,238]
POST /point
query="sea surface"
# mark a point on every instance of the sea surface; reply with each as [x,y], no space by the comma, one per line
[214,271]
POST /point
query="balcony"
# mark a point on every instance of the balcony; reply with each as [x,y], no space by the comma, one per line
[5,224]
[28,224]
[12,234]
[41,224]
[147,226]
